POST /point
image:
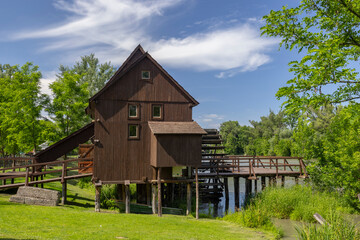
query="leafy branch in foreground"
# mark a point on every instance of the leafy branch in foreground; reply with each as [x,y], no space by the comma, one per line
[327,32]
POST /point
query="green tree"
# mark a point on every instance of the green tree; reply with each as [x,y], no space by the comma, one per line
[67,108]
[92,73]
[327,32]
[21,103]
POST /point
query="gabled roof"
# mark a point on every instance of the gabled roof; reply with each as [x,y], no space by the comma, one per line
[135,57]
[175,128]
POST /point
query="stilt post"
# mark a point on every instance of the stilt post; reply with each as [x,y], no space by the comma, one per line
[153,202]
[263,183]
[127,196]
[97,196]
[188,198]
[197,192]
[226,183]
[236,192]
[159,192]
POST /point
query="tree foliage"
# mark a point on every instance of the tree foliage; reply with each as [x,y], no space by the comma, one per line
[67,108]
[92,73]
[327,33]
[270,136]
[21,123]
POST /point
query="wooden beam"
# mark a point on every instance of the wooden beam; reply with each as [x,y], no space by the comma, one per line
[226,183]
[188,198]
[127,198]
[159,192]
[237,194]
[97,198]
[197,192]
[153,202]
[319,218]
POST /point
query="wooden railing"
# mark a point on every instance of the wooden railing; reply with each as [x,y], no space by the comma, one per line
[252,164]
[29,174]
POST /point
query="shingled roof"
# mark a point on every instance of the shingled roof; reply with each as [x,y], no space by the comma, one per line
[175,128]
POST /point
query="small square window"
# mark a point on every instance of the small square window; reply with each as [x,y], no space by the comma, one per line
[145,74]
[133,131]
[157,112]
[133,111]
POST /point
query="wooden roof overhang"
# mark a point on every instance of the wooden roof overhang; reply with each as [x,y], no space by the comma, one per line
[158,128]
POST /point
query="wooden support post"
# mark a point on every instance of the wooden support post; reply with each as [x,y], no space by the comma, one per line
[274,181]
[237,194]
[13,166]
[127,197]
[188,198]
[97,197]
[63,182]
[247,188]
[226,183]
[263,183]
[197,192]
[148,194]
[153,202]
[271,182]
[296,180]
[282,181]
[159,192]
[255,186]
[26,177]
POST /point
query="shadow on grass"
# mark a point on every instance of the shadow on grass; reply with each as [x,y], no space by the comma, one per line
[17,239]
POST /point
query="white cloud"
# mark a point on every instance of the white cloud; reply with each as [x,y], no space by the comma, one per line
[112,28]
[48,78]
[211,120]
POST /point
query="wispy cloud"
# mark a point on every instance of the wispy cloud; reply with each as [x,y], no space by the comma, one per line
[112,28]
[211,120]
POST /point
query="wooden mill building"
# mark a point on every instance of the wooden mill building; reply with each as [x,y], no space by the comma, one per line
[143,127]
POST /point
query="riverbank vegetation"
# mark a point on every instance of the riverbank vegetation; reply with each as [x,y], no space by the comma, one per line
[299,203]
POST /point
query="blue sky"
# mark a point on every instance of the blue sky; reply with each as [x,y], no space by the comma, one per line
[212,48]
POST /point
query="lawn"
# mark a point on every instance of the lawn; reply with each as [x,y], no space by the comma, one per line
[79,221]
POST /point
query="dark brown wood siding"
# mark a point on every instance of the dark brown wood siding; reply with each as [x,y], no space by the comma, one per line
[118,158]
[176,150]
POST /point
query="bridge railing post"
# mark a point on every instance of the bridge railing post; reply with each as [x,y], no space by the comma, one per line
[27,177]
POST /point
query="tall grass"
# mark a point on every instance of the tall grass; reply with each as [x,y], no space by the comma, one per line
[336,228]
[300,203]
[297,203]
[254,217]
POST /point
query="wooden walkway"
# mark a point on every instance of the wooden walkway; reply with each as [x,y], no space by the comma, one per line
[252,166]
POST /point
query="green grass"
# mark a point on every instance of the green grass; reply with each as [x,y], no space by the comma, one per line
[300,203]
[77,220]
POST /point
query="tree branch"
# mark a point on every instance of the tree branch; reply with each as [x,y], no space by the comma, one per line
[348,8]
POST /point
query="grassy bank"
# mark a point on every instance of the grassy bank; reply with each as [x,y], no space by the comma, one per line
[298,203]
[77,220]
